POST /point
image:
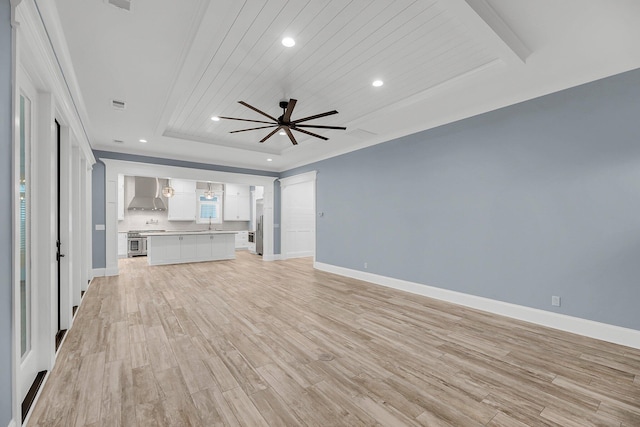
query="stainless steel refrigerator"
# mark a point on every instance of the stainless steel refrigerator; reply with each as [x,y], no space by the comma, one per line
[259,226]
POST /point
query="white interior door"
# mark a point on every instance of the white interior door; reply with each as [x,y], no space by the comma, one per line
[28,341]
[298,216]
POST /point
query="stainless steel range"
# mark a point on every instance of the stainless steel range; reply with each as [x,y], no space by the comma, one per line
[137,244]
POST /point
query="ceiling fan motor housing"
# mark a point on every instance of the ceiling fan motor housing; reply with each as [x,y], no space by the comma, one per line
[284,121]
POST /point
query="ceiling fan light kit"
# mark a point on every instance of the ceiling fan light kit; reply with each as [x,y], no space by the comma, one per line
[285,123]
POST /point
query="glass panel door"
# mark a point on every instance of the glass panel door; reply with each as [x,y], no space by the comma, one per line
[25,228]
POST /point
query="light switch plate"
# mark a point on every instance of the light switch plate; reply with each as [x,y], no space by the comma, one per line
[100,227]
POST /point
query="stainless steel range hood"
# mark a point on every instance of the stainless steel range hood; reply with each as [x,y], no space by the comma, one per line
[147,195]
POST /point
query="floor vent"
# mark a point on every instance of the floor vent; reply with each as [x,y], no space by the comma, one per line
[31,395]
[59,336]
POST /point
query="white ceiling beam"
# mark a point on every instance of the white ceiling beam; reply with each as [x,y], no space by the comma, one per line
[484,21]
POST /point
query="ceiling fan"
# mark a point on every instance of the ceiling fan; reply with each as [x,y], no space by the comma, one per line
[284,121]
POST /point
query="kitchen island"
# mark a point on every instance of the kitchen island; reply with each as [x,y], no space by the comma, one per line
[175,247]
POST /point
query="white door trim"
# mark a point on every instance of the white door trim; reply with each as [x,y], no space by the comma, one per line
[284,214]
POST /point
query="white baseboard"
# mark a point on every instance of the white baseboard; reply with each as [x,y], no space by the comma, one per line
[97,272]
[12,423]
[576,325]
[102,272]
[306,254]
[273,257]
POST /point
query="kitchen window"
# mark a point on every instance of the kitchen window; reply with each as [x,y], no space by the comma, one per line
[209,210]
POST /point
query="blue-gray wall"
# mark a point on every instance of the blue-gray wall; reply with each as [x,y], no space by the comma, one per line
[6,248]
[529,201]
[98,215]
[99,201]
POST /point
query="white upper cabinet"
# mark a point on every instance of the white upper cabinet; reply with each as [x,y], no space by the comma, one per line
[236,202]
[183,186]
[182,206]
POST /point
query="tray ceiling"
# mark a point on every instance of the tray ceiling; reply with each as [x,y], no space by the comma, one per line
[176,64]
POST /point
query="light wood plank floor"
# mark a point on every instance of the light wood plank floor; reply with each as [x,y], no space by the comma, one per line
[276,343]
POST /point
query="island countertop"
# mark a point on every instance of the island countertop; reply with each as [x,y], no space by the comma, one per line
[185,233]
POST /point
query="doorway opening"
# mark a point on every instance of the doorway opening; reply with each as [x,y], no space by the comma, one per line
[59,255]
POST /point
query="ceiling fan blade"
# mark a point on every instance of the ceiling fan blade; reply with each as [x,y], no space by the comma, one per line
[270,134]
[293,140]
[290,106]
[317,116]
[244,130]
[321,127]
[257,111]
[243,120]
[311,133]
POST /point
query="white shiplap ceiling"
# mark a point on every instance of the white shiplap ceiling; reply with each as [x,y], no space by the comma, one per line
[177,63]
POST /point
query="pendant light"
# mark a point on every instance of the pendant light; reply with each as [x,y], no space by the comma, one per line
[168,191]
[209,194]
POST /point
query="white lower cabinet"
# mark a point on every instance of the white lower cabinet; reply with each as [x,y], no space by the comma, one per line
[222,246]
[242,240]
[175,249]
[163,248]
[123,245]
[188,248]
[203,247]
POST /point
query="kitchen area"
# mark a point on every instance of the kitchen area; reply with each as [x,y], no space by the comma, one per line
[179,220]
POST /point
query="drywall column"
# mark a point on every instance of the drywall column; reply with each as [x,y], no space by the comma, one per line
[84,229]
[88,212]
[6,241]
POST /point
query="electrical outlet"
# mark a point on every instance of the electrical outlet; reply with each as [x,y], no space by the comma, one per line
[555,301]
[365,264]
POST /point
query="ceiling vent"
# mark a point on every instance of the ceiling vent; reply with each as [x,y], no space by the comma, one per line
[118,105]
[118,141]
[121,4]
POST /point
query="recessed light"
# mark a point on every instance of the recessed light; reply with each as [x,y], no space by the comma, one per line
[144,141]
[288,42]
[282,132]
[269,160]
[215,118]
[377,83]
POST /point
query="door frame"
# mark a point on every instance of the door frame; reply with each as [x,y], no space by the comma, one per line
[115,167]
[307,177]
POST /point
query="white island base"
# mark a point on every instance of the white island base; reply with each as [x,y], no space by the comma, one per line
[196,246]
